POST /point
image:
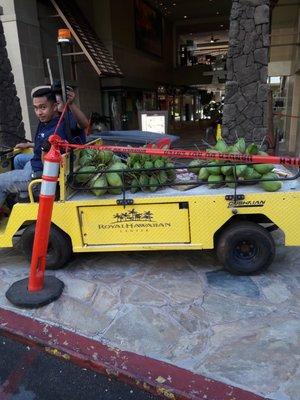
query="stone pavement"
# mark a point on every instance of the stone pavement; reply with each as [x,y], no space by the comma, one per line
[180,307]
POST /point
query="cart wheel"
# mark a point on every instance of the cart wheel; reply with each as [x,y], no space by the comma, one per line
[59,247]
[245,248]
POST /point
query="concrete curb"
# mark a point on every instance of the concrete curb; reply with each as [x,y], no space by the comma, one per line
[157,377]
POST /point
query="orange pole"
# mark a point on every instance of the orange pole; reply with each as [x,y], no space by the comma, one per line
[47,196]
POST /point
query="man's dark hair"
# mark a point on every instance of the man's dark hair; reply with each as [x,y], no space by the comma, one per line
[45,92]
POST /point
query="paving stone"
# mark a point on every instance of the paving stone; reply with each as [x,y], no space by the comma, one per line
[3,288]
[264,353]
[110,267]
[144,330]
[181,284]
[240,285]
[192,318]
[223,309]
[79,289]
[291,389]
[134,294]
[185,352]
[75,315]
[107,303]
[276,293]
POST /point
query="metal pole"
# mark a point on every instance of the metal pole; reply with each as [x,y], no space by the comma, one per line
[64,97]
[49,71]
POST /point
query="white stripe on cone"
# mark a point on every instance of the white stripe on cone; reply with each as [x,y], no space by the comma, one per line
[48,188]
[51,169]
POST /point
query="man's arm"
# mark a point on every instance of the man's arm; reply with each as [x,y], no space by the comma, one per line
[24,146]
[78,115]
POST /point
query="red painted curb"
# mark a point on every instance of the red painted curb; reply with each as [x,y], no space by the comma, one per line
[154,376]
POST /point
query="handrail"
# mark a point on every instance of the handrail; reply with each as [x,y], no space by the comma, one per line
[30,185]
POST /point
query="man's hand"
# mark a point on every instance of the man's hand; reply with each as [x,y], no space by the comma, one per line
[23,145]
[70,95]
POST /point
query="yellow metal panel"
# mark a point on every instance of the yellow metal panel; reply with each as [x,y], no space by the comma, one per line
[20,213]
[145,223]
[284,210]
[207,215]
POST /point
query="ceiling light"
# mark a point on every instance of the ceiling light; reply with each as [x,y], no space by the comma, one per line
[185,16]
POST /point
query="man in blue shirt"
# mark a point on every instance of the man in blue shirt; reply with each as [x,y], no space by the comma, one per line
[77,120]
[46,110]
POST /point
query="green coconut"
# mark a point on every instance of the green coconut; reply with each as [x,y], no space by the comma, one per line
[203,174]
[221,146]
[241,170]
[84,174]
[117,166]
[159,163]
[213,168]
[98,185]
[171,173]
[215,181]
[272,185]
[251,149]
[226,169]
[194,166]
[134,186]
[251,173]
[114,179]
[240,145]
[230,181]
[263,168]
[154,183]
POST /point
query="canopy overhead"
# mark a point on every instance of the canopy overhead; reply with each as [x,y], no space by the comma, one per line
[87,39]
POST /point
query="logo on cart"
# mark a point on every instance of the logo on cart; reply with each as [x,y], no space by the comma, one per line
[134,220]
[244,203]
[133,215]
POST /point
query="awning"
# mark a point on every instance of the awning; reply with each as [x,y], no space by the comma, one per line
[87,38]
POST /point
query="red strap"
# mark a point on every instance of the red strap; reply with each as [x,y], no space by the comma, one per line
[61,118]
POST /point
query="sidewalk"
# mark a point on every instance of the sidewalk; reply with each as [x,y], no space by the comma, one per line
[182,309]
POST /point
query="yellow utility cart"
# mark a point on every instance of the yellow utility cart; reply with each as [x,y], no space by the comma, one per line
[237,223]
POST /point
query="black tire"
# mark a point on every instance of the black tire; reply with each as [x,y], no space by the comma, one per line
[59,248]
[245,248]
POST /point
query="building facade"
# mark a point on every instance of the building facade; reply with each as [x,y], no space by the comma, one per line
[152,75]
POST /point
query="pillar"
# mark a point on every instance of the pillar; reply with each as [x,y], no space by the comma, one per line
[246,91]
[11,124]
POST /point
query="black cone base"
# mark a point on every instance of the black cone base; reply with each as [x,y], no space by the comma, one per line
[19,295]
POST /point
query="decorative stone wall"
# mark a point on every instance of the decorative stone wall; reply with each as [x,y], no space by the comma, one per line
[11,124]
[246,94]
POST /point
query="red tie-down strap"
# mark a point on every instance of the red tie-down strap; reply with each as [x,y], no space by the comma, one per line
[178,153]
